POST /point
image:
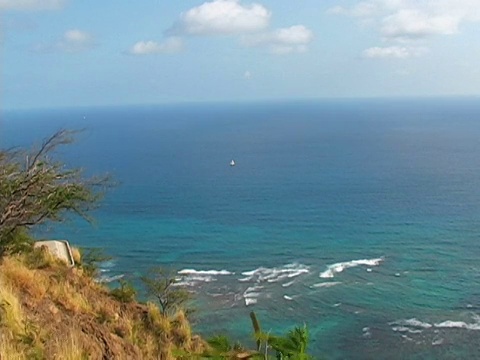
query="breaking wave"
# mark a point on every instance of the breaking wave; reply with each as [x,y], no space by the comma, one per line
[326,284]
[413,325]
[192,277]
[204,272]
[339,267]
[271,275]
[251,294]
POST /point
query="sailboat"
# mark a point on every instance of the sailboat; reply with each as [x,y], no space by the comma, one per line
[232,163]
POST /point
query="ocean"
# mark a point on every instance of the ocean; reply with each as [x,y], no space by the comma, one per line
[358,218]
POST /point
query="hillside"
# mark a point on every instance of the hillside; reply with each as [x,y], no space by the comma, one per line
[50,311]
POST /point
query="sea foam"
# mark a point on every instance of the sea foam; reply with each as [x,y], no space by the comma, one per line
[192,277]
[108,279]
[339,267]
[204,272]
[326,284]
[251,294]
[275,274]
[411,324]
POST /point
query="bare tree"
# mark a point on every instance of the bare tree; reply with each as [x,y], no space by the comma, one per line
[161,285]
[35,189]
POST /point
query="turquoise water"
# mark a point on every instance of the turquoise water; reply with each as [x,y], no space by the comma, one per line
[388,191]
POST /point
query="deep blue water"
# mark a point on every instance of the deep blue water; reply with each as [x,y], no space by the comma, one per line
[393,183]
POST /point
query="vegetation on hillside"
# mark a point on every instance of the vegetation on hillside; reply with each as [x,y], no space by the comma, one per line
[34,189]
[50,311]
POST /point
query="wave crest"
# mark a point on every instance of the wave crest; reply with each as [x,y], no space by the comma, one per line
[339,267]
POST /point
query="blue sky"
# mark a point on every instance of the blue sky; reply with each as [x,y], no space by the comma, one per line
[58,53]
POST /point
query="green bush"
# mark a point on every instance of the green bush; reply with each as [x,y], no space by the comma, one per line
[125,293]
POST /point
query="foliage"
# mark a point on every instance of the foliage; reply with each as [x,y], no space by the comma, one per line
[292,346]
[19,241]
[38,258]
[125,293]
[220,343]
[90,258]
[35,189]
[160,284]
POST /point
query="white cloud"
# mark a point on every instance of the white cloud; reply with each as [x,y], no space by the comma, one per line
[408,24]
[75,41]
[169,46]
[247,22]
[362,9]
[72,41]
[410,20]
[76,36]
[222,17]
[30,4]
[392,52]
[282,41]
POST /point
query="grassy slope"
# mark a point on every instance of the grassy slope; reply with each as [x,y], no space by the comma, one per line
[48,311]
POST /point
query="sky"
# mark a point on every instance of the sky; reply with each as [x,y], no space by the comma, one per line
[61,53]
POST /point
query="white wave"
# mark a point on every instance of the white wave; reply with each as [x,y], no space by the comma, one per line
[109,279]
[287,284]
[275,274]
[185,284]
[326,284]
[251,294]
[297,273]
[458,325]
[204,272]
[274,278]
[201,278]
[366,332]
[253,288]
[286,297]
[193,280]
[249,301]
[339,267]
[412,323]
[406,329]
[192,277]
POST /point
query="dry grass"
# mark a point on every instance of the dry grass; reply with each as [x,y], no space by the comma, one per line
[11,310]
[160,323]
[16,273]
[9,349]
[69,348]
[49,311]
[181,331]
[77,256]
[71,298]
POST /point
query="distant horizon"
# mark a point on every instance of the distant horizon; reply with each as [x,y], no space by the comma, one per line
[246,102]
